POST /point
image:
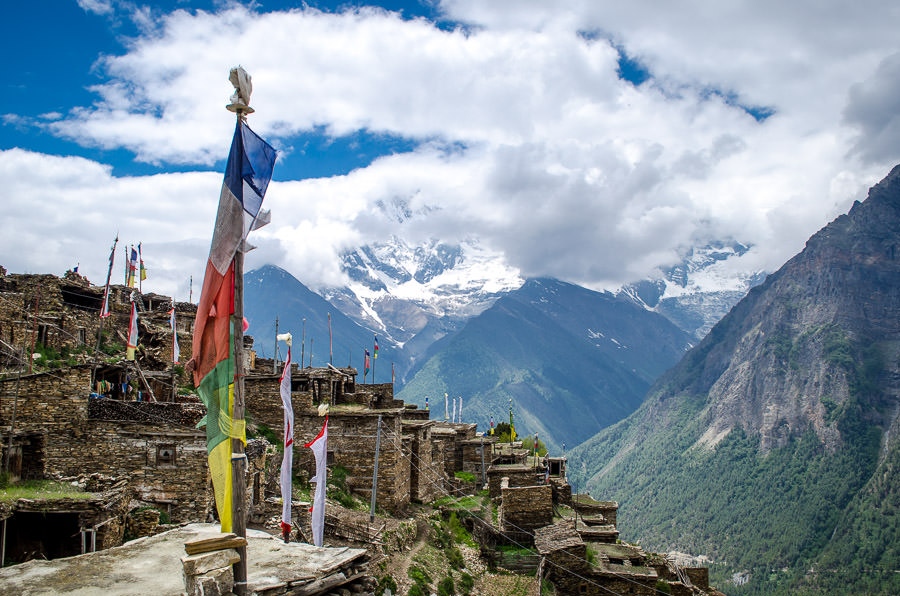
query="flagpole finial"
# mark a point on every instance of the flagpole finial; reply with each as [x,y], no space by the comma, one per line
[240,100]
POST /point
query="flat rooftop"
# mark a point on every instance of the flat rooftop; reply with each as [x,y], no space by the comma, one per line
[152,565]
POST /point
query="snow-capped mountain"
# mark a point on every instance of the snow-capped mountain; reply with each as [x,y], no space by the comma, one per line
[700,290]
[401,289]
[413,295]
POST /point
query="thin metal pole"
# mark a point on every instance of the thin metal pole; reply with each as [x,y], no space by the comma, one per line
[303,344]
[275,350]
[375,472]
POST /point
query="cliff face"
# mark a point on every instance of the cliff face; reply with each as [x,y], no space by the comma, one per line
[773,444]
[816,335]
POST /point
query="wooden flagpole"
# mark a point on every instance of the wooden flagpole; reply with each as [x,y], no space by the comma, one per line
[241,108]
[238,458]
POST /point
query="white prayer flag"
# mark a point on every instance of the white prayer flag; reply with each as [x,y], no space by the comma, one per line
[319,447]
[287,460]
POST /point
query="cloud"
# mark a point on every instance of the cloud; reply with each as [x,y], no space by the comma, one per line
[65,210]
[525,135]
[100,7]
[873,106]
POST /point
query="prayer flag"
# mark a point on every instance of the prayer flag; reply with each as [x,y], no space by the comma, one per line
[132,333]
[141,259]
[319,447]
[366,365]
[176,351]
[247,175]
[375,352]
[453,418]
[446,408]
[131,277]
[287,460]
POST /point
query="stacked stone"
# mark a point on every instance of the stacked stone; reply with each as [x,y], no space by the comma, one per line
[516,474]
[525,508]
[142,522]
[210,573]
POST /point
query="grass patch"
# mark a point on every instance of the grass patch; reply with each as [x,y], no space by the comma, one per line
[469,503]
[420,577]
[41,489]
[338,490]
[458,531]
[465,476]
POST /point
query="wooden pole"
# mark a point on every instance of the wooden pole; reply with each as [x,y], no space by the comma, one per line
[375,471]
[34,330]
[238,459]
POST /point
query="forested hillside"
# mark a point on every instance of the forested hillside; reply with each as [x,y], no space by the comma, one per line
[772,446]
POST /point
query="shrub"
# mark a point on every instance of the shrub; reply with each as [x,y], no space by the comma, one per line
[416,590]
[466,583]
[384,583]
[446,587]
[458,531]
[455,558]
[420,576]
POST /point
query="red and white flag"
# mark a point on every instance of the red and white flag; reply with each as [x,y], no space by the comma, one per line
[287,460]
[319,447]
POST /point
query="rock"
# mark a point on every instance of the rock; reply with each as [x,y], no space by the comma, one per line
[204,562]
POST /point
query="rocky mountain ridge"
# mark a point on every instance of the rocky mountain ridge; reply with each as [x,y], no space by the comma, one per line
[772,445]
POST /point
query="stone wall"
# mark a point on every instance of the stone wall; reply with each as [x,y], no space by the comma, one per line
[427,482]
[166,464]
[351,437]
[351,444]
[525,508]
[518,475]
[68,382]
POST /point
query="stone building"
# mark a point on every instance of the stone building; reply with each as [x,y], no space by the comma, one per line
[61,432]
[54,527]
[58,318]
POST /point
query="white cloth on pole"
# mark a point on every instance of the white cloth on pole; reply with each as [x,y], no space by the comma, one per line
[319,447]
[287,460]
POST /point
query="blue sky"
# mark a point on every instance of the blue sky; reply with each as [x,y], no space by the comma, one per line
[590,141]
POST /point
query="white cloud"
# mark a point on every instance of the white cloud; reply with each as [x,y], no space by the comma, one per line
[64,210]
[101,7]
[537,147]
